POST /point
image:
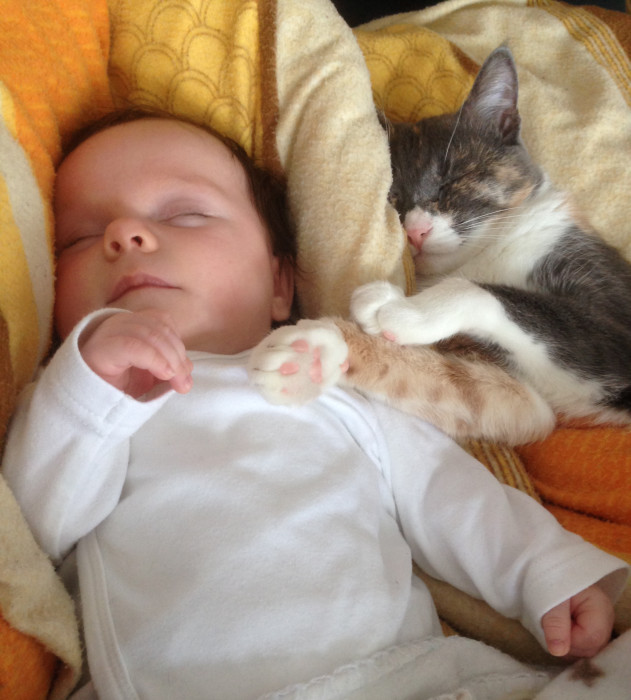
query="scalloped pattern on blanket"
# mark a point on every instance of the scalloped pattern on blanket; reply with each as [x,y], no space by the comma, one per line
[192,57]
[414,72]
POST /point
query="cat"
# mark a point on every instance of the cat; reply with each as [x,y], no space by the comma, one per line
[496,343]
[502,257]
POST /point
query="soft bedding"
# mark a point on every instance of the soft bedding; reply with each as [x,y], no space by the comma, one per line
[296,87]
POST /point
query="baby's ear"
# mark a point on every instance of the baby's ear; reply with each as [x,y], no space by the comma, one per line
[284,282]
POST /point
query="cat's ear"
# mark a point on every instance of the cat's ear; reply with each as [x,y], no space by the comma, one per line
[384,121]
[493,97]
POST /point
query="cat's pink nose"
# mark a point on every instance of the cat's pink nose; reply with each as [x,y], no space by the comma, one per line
[417,234]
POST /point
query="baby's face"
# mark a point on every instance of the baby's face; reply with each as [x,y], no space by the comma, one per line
[157,214]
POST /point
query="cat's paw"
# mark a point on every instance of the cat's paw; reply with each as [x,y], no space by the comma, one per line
[295,364]
[453,305]
[368,303]
[380,308]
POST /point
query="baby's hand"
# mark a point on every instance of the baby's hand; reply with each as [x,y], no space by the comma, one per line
[295,364]
[135,351]
[580,626]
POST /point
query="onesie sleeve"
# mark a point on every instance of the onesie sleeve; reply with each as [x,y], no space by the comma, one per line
[68,447]
[488,539]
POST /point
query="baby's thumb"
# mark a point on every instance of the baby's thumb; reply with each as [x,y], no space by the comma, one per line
[556,624]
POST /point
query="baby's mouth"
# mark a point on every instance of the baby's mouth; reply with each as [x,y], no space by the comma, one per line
[140,281]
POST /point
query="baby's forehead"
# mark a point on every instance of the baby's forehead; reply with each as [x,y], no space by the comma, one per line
[152,146]
[155,131]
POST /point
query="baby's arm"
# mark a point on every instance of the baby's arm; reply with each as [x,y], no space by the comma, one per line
[580,626]
[134,351]
[497,543]
[67,451]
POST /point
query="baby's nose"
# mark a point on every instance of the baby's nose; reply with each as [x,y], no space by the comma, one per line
[127,234]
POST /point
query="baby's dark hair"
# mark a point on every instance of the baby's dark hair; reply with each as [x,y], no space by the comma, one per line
[267,190]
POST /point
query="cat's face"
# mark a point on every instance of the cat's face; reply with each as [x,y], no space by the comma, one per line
[458,177]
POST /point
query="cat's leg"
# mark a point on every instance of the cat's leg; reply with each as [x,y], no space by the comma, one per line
[295,364]
[453,305]
[465,398]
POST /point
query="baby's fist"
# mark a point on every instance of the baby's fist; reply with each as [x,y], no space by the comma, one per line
[134,351]
[580,626]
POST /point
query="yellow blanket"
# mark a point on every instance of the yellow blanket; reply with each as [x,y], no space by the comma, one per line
[295,86]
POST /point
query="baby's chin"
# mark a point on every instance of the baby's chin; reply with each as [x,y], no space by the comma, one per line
[223,343]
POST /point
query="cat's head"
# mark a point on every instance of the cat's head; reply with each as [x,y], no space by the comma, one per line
[456,176]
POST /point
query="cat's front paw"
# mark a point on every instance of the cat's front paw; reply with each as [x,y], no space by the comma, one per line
[368,303]
[295,364]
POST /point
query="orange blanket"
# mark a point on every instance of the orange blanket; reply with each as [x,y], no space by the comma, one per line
[583,475]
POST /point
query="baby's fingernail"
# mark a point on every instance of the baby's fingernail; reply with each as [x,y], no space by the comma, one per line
[557,648]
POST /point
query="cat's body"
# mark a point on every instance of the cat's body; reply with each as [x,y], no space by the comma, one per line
[502,261]
[501,256]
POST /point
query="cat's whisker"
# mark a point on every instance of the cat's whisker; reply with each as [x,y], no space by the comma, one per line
[488,227]
[489,215]
[453,133]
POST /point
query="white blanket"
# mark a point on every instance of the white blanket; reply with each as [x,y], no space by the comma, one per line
[456,668]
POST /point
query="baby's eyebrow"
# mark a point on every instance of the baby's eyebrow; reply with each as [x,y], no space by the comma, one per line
[198,182]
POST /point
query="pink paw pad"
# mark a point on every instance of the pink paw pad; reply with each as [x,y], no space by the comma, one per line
[315,371]
[288,368]
[300,346]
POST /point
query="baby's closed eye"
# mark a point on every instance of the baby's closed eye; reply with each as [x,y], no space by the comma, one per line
[76,241]
[188,219]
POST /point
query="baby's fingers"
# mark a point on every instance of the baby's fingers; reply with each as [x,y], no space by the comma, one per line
[145,341]
[593,617]
[557,624]
[159,350]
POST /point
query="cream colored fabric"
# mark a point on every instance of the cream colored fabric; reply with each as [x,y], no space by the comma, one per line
[336,158]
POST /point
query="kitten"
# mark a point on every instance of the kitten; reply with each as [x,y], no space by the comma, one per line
[502,257]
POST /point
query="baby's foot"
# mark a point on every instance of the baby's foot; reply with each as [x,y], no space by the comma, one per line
[295,364]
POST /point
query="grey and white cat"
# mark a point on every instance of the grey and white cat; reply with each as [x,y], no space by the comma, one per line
[502,257]
[502,260]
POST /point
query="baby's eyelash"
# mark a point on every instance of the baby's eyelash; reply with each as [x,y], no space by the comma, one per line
[76,241]
[190,218]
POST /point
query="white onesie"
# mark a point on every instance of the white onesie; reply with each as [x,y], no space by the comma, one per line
[228,548]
